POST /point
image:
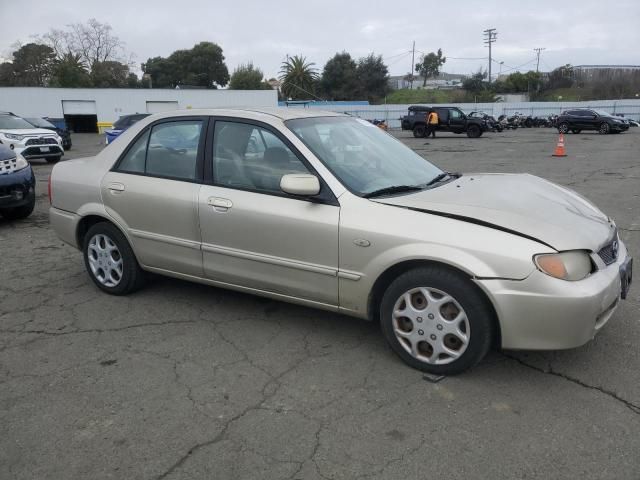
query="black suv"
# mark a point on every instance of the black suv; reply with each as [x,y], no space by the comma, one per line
[45,123]
[17,185]
[450,119]
[587,119]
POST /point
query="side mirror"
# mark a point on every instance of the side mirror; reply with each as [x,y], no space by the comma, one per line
[301,184]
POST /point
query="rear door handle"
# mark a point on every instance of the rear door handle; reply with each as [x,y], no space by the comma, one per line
[220,204]
[116,187]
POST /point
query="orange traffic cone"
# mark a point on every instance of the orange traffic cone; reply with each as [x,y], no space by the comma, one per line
[560,151]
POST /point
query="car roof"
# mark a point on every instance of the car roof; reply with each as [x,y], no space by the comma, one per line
[261,113]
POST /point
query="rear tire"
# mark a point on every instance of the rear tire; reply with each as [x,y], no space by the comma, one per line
[455,331]
[110,261]
[419,131]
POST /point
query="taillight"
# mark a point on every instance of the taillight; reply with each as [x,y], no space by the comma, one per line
[49,190]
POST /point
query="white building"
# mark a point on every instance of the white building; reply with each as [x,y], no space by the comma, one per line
[86,109]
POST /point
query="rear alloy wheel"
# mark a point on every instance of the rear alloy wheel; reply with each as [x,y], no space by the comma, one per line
[419,131]
[563,127]
[436,320]
[473,131]
[110,261]
[604,128]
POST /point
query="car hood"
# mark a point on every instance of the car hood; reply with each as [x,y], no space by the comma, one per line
[522,204]
[27,131]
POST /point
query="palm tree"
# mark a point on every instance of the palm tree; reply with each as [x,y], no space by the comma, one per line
[297,77]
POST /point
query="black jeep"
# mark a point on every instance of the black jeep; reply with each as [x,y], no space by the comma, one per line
[450,119]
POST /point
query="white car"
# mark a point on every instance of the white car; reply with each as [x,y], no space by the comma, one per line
[329,211]
[29,141]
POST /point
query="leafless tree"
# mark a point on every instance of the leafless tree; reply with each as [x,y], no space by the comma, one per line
[93,41]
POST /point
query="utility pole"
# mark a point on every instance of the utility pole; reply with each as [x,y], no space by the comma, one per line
[490,36]
[413,66]
[538,50]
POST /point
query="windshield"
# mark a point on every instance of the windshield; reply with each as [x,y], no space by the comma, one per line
[9,122]
[40,122]
[363,157]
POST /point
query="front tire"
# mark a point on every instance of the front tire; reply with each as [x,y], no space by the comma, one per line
[604,128]
[110,261]
[473,131]
[563,127]
[419,131]
[436,320]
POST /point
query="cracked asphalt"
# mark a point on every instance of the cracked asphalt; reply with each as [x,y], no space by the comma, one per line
[184,381]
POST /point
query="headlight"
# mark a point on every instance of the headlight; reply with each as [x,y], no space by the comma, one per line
[573,265]
[21,162]
[13,136]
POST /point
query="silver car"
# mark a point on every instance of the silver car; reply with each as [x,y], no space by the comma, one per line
[329,211]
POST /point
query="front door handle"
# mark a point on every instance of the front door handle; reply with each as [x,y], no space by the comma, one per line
[220,204]
[116,187]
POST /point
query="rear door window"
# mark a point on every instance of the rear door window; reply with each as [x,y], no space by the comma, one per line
[173,149]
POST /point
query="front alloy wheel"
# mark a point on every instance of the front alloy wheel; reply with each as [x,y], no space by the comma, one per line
[604,128]
[563,127]
[437,320]
[431,325]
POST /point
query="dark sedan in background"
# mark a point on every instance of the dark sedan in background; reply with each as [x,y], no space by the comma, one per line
[121,125]
[17,185]
[587,119]
[64,133]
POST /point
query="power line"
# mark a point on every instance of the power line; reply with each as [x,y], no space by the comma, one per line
[519,66]
[398,55]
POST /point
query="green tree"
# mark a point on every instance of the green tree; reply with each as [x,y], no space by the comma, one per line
[373,77]
[340,78]
[70,72]
[561,77]
[33,64]
[523,82]
[203,65]
[476,82]
[109,74]
[133,81]
[163,73]
[7,75]
[247,77]
[430,64]
[298,76]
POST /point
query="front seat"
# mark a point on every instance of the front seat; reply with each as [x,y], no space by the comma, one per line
[275,163]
